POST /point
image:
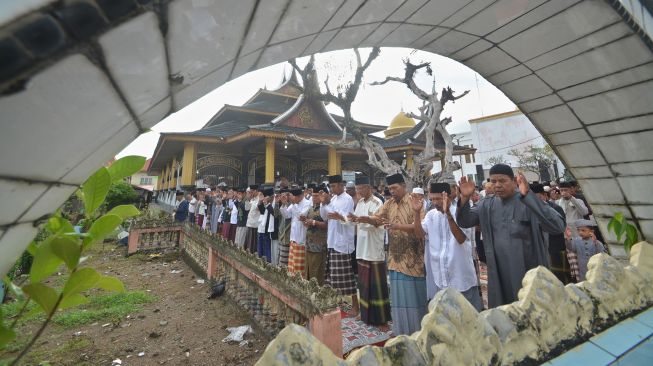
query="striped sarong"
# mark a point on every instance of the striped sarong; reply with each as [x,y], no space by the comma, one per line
[241,233]
[284,251]
[408,303]
[341,275]
[373,290]
[297,259]
[225,230]
[573,265]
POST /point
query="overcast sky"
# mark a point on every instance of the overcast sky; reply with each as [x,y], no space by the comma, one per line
[374,104]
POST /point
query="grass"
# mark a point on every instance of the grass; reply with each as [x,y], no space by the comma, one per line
[107,308]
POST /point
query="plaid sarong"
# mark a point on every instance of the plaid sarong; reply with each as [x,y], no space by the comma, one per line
[573,265]
[374,295]
[297,259]
[341,275]
[284,250]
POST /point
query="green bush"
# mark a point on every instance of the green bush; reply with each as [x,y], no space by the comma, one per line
[120,193]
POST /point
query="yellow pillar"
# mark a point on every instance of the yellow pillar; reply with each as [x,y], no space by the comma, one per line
[269,160]
[339,163]
[409,159]
[173,174]
[332,161]
[188,175]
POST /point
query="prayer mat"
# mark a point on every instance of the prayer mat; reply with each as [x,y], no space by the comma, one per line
[356,334]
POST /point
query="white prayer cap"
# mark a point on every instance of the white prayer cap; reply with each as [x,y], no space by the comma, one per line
[418,190]
[547,189]
[350,184]
[208,189]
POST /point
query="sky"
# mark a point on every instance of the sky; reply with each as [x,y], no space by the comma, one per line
[374,104]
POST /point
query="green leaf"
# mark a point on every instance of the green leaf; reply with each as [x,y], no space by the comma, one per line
[619,216]
[43,295]
[45,261]
[31,248]
[95,190]
[126,166]
[109,283]
[81,280]
[57,224]
[67,249]
[72,301]
[124,211]
[6,336]
[102,227]
[631,233]
[611,224]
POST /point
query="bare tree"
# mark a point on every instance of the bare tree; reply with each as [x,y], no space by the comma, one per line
[535,159]
[420,171]
[497,159]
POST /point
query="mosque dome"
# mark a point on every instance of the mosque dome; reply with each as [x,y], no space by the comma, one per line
[401,123]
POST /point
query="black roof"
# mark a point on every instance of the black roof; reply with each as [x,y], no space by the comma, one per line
[224,129]
[268,106]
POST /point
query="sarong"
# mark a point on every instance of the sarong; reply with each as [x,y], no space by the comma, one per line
[200,220]
[341,275]
[241,232]
[573,265]
[284,249]
[297,259]
[232,232]
[264,246]
[251,239]
[407,302]
[225,230]
[373,290]
[274,249]
[315,266]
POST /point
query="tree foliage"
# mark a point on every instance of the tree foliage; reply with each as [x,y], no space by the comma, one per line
[62,245]
[120,193]
[622,228]
[534,158]
[497,159]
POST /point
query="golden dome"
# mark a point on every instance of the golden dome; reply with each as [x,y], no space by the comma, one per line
[401,123]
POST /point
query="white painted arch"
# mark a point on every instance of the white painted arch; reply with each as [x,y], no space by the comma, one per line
[582,71]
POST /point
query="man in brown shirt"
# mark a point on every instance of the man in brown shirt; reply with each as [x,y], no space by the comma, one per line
[405,258]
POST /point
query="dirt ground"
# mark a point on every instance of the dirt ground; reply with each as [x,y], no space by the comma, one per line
[182,327]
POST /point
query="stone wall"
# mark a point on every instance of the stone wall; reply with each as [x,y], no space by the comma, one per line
[548,319]
[149,234]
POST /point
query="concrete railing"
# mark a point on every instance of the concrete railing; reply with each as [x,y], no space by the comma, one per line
[548,319]
[272,296]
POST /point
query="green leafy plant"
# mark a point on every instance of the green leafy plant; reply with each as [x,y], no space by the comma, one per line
[64,246]
[120,193]
[621,228]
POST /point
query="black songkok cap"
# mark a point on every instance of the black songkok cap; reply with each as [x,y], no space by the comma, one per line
[180,193]
[284,190]
[242,189]
[322,188]
[335,178]
[312,186]
[537,187]
[297,191]
[253,187]
[361,179]
[502,169]
[440,187]
[395,178]
[565,185]
[268,191]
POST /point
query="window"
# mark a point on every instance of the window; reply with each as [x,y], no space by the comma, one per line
[467,159]
[146,180]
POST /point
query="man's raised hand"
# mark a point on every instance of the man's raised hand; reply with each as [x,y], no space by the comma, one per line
[466,188]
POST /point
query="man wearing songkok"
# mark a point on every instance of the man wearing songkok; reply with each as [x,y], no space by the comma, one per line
[408,303]
[241,220]
[340,240]
[251,204]
[281,246]
[448,253]
[316,239]
[512,222]
[296,211]
[574,208]
[370,253]
[266,228]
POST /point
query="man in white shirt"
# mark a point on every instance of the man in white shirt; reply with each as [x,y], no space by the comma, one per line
[191,209]
[340,240]
[266,227]
[251,203]
[296,212]
[574,208]
[370,253]
[448,252]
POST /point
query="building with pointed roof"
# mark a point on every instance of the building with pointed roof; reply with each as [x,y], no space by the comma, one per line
[252,143]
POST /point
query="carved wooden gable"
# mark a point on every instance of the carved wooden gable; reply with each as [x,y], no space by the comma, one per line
[306,116]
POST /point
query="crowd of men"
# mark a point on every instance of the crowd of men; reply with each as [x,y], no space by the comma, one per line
[394,252]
